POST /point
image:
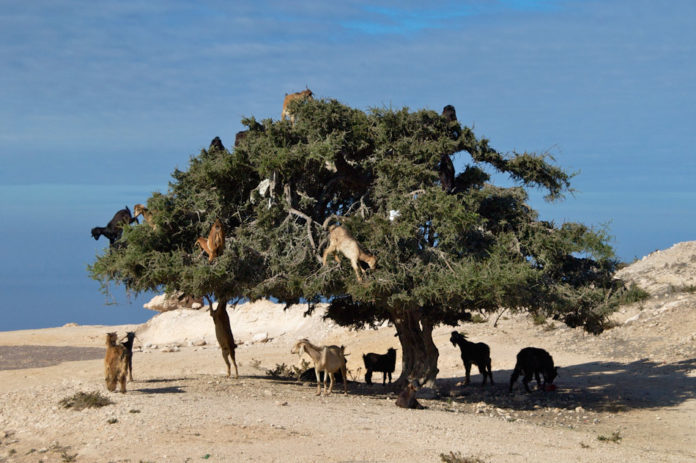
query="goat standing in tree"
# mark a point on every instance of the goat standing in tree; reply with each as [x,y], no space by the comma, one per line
[292,97]
[114,228]
[215,243]
[341,240]
[139,210]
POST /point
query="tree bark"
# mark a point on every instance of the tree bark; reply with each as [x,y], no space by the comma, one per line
[418,351]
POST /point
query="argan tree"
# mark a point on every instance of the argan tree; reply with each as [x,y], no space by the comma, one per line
[447,245]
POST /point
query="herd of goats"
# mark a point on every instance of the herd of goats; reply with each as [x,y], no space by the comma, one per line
[328,360]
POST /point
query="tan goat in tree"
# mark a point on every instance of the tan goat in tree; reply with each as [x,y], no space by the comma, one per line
[341,240]
[115,363]
[328,359]
[139,209]
[292,97]
[215,243]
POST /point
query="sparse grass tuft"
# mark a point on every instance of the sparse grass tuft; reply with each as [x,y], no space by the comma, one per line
[354,377]
[478,318]
[539,318]
[81,400]
[633,293]
[615,437]
[283,371]
[457,457]
[255,364]
[550,326]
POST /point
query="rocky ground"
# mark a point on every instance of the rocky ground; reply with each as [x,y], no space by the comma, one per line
[625,395]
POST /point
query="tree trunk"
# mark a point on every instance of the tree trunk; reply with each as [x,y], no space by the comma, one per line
[418,352]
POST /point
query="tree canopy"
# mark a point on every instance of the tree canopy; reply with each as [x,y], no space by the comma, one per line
[444,251]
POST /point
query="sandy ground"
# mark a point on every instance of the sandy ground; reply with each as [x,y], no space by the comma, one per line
[635,382]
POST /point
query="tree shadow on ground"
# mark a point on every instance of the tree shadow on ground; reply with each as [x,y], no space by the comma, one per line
[598,386]
[159,380]
[160,390]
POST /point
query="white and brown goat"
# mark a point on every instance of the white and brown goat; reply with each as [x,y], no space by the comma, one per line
[328,359]
[340,240]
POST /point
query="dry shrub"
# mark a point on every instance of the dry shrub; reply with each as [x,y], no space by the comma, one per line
[81,400]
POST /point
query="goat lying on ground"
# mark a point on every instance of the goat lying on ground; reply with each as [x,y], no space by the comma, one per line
[407,398]
[478,353]
[215,243]
[328,359]
[114,228]
[224,336]
[292,97]
[340,240]
[380,362]
[115,363]
[128,344]
[532,361]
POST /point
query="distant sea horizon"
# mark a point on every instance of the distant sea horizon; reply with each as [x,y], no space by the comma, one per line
[46,246]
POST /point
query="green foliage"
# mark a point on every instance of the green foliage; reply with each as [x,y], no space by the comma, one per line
[444,256]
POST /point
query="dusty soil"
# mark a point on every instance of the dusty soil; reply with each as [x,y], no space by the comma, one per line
[627,395]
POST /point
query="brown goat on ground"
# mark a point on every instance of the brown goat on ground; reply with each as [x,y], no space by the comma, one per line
[215,243]
[341,240]
[128,344]
[407,398]
[292,97]
[115,363]
[224,336]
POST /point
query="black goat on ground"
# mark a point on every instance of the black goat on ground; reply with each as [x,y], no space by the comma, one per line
[128,344]
[114,228]
[478,353]
[380,362]
[531,361]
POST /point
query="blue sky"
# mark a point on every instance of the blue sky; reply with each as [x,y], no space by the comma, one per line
[100,102]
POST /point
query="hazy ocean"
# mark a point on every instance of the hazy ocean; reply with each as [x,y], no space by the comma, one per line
[45,247]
